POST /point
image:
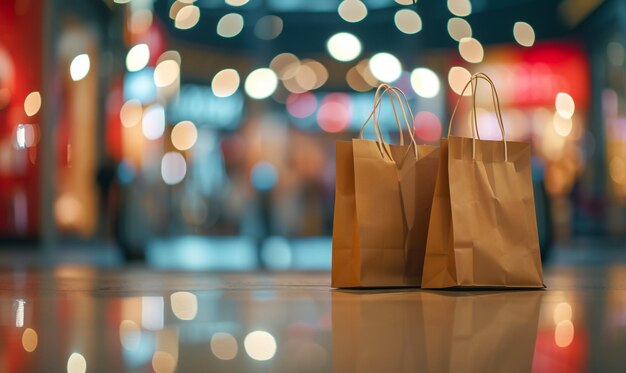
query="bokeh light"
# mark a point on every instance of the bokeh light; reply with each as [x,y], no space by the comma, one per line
[524,34]
[230,25]
[131,113]
[25,136]
[425,82]
[562,312]
[130,335]
[562,126]
[224,346]
[335,112]
[408,21]
[225,83]
[285,65]
[427,126]
[140,21]
[236,2]
[32,103]
[177,5]
[352,10]
[260,345]
[458,28]
[356,81]
[184,135]
[79,68]
[187,17]
[471,50]
[261,83]
[173,168]
[29,340]
[184,305]
[76,363]
[564,333]
[163,362]
[565,105]
[363,67]
[301,105]
[616,53]
[166,73]
[344,46]
[264,176]
[460,8]
[385,67]
[138,57]
[458,77]
[268,27]
[153,122]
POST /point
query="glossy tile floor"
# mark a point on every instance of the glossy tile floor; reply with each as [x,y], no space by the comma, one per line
[73,318]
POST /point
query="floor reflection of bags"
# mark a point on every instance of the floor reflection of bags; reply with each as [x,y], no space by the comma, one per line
[382,209]
[480,332]
[378,332]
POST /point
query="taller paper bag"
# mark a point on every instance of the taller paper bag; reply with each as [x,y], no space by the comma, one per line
[382,205]
[483,231]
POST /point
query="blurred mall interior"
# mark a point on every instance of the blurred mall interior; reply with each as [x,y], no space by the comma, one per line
[167,180]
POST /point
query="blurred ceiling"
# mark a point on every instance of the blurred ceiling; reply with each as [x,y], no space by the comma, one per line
[309,23]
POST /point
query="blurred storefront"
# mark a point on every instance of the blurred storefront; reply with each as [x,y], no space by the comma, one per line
[138,127]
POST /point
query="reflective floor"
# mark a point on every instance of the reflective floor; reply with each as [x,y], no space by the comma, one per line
[77,318]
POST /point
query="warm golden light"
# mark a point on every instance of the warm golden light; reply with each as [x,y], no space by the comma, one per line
[130,335]
[32,103]
[184,304]
[137,57]
[236,2]
[363,67]
[261,83]
[408,21]
[285,65]
[166,73]
[562,312]
[564,333]
[224,346]
[321,74]
[29,340]
[356,81]
[76,363]
[225,83]
[187,17]
[305,77]
[562,126]
[67,210]
[163,362]
[458,77]
[425,82]
[617,170]
[565,105]
[524,34]
[344,46]
[140,21]
[176,7]
[260,345]
[230,25]
[79,68]
[131,113]
[471,50]
[352,10]
[458,28]
[460,8]
[385,67]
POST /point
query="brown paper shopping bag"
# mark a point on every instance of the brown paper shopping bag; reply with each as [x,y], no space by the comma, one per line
[382,206]
[483,231]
